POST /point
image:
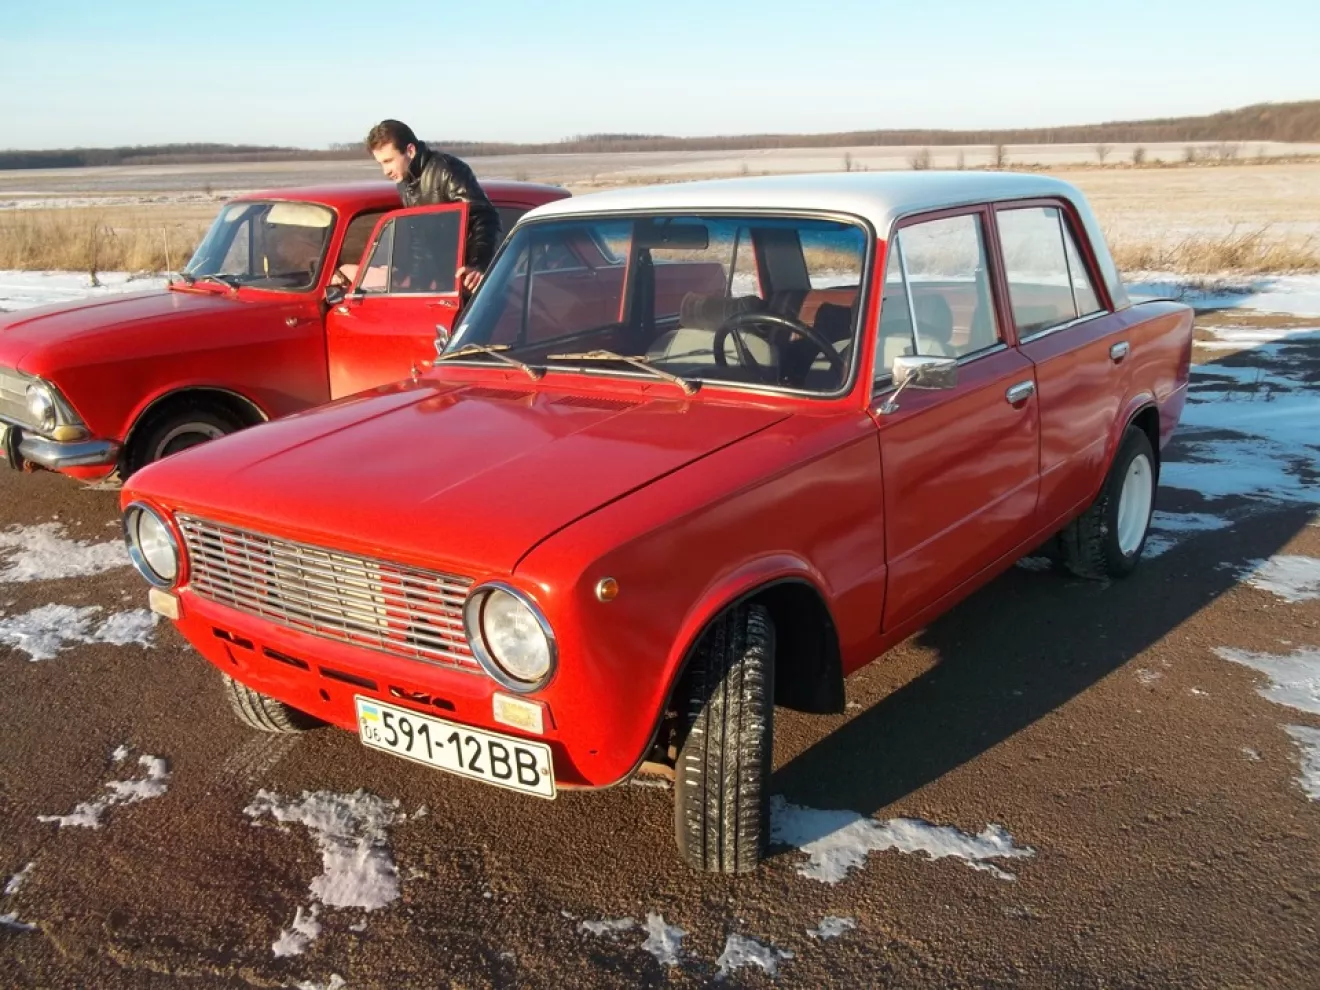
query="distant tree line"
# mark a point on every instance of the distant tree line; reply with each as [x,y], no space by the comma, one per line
[1289,122]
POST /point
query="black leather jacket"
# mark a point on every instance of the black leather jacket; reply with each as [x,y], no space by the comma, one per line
[435,177]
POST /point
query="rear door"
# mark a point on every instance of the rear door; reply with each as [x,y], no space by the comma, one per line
[960,466]
[405,291]
[1082,359]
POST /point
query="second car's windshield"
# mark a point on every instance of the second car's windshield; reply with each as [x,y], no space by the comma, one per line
[269,245]
[768,301]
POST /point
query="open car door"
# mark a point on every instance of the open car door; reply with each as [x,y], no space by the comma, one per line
[405,291]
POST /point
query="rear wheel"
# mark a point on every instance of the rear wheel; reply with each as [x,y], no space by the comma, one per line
[722,776]
[257,711]
[1107,539]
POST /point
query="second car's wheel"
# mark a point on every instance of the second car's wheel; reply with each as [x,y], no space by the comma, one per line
[722,776]
[178,430]
[1107,539]
[257,711]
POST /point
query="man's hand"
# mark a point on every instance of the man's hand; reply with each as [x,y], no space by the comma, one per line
[470,277]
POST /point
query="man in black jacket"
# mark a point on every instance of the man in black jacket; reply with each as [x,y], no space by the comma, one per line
[427,177]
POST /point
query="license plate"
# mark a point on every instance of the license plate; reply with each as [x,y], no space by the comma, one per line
[486,756]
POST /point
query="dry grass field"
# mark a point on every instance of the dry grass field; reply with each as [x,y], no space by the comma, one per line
[1250,216]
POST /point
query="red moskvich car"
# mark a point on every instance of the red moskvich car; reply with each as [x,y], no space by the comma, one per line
[270,316]
[615,526]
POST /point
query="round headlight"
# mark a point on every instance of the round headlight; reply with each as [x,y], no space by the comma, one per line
[41,407]
[152,546]
[510,637]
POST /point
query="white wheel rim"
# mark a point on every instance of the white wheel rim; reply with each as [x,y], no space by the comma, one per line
[1134,504]
[207,430]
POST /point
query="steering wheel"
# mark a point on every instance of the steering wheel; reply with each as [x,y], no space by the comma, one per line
[734,324]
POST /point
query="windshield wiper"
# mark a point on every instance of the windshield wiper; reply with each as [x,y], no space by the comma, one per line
[493,350]
[637,362]
[224,278]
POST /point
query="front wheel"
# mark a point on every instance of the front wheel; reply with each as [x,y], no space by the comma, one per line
[722,776]
[175,431]
[1107,539]
[265,714]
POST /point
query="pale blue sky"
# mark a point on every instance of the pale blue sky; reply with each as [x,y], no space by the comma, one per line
[91,72]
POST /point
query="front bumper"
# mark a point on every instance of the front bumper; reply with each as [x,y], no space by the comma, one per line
[20,446]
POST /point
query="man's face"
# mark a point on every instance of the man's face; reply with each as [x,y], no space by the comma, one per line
[393,162]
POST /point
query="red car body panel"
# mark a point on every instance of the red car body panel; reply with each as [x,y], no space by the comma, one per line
[112,359]
[688,503]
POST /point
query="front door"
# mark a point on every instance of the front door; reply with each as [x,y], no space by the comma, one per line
[404,293]
[961,466]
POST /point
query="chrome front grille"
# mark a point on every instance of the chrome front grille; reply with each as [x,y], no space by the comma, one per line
[403,611]
[13,397]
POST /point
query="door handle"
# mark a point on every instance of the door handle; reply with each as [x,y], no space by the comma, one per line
[1020,392]
[1119,351]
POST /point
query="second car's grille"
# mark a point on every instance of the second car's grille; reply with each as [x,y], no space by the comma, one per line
[395,609]
[13,398]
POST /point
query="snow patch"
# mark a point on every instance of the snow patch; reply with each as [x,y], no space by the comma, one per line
[609,926]
[48,630]
[15,883]
[1308,740]
[837,842]
[336,983]
[88,813]
[294,940]
[1036,564]
[741,951]
[1294,679]
[1292,578]
[120,754]
[1148,677]
[1252,754]
[23,290]
[42,553]
[663,941]
[351,832]
[11,921]
[832,926]
[1293,295]
[1168,529]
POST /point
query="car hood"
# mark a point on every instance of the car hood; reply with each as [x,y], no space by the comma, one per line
[26,333]
[456,477]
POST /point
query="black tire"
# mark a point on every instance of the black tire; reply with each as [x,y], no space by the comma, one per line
[257,711]
[722,776]
[178,429]
[1090,544]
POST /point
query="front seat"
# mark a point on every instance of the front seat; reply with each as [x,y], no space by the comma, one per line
[687,349]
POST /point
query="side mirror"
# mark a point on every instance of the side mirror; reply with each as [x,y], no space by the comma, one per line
[920,371]
[334,295]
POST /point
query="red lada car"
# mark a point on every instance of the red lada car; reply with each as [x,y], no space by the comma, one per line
[270,316]
[616,525]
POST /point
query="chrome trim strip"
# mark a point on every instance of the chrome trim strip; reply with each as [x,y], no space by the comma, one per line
[374,604]
[1064,326]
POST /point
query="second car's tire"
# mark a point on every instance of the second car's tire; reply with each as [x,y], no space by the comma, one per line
[179,429]
[722,775]
[257,711]
[1107,539]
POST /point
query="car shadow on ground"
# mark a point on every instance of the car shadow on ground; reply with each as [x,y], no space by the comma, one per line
[1014,652]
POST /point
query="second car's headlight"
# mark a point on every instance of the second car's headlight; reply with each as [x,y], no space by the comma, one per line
[41,407]
[510,637]
[152,546]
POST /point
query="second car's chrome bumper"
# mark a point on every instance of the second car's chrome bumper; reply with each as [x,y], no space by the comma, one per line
[54,454]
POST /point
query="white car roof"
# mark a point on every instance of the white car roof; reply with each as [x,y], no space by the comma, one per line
[878,197]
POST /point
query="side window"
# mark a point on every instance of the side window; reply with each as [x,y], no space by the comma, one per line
[1047,282]
[415,254]
[936,275]
[355,237]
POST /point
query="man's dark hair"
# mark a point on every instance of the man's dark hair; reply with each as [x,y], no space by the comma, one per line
[394,132]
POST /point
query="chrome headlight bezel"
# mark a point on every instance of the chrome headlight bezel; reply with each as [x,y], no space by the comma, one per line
[474,624]
[134,514]
[42,407]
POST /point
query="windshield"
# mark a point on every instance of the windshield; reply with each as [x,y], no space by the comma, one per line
[764,301]
[268,245]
